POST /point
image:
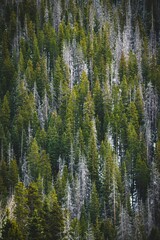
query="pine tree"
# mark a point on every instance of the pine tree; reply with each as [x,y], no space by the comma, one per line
[3,181]
[99,109]
[35,227]
[5,113]
[36,54]
[53,218]
[71,115]
[21,210]
[140,106]
[41,76]
[13,174]
[8,69]
[83,89]
[34,199]
[10,230]
[53,141]
[34,160]
[88,113]
[124,93]
[58,78]
[61,183]
[141,177]
[132,68]
[79,102]
[45,171]
[94,205]
[122,67]
[93,161]
[30,74]
[83,223]
[133,116]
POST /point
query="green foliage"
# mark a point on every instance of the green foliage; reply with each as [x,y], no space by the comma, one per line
[41,76]
[21,210]
[132,68]
[58,78]
[30,74]
[11,231]
[34,160]
[94,205]
[108,230]
[13,173]
[53,140]
[141,177]
[35,227]
[99,109]
[140,106]
[5,113]
[93,154]
[61,184]
[88,112]
[53,218]
[83,223]
[122,67]
[34,199]
[74,114]
[3,181]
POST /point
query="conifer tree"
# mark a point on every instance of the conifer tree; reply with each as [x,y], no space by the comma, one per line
[11,231]
[35,228]
[94,205]
[21,210]
[13,174]
[93,161]
[58,78]
[99,108]
[5,113]
[3,181]
[34,160]
[34,199]
[53,219]
[79,102]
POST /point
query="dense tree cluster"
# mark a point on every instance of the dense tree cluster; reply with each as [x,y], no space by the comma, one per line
[79,120]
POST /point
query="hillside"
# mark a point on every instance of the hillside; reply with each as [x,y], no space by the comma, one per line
[79,120]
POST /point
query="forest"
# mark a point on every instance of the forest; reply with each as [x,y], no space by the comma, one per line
[79,120]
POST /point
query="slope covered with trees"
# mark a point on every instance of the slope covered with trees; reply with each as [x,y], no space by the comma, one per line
[79,119]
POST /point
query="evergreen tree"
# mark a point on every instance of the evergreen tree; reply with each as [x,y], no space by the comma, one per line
[34,160]
[122,67]
[79,102]
[53,218]
[45,171]
[13,174]
[35,227]
[34,200]
[21,210]
[88,113]
[141,177]
[94,205]
[5,113]
[10,231]
[3,181]
[93,161]
[30,75]
[53,141]
[58,78]
[99,109]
